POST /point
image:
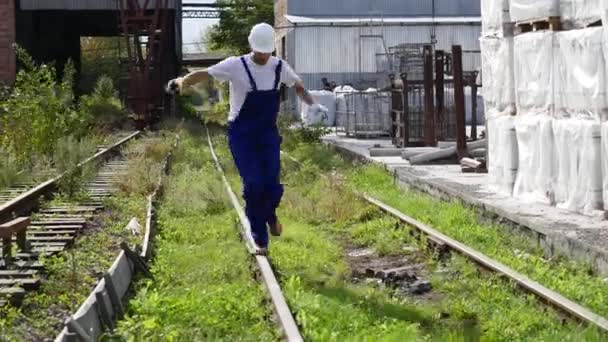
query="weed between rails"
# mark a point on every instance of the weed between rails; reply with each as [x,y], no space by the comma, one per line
[203,289]
[71,275]
[503,312]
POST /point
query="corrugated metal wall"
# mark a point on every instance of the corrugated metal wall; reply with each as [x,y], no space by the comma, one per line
[335,49]
[402,8]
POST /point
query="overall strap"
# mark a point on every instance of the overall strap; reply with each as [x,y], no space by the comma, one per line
[278,75]
[251,80]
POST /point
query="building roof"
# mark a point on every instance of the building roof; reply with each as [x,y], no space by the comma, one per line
[386,8]
[300,20]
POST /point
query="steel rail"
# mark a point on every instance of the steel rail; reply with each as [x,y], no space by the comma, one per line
[286,320]
[551,297]
[28,200]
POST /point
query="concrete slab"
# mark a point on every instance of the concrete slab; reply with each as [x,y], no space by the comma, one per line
[580,237]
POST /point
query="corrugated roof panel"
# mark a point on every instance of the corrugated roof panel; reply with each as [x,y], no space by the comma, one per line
[79,4]
[387,8]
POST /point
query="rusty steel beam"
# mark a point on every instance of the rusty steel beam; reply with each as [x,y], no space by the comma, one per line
[429,107]
[474,108]
[461,133]
[405,115]
[440,92]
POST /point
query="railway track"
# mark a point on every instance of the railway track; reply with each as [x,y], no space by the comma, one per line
[443,243]
[10,193]
[52,229]
[284,317]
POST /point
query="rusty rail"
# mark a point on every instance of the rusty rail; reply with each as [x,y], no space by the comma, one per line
[26,202]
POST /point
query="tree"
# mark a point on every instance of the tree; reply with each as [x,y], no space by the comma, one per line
[236,20]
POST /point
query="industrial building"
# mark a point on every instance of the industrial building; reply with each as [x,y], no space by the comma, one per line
[345,41]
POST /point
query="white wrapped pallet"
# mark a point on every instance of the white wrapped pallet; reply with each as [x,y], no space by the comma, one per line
[497,73]
[580,75]
[502,147]
[494,17]
[580,13]
[326,98]
[534,73]
[523,10]
[579,175]
[604,161]
[536,168]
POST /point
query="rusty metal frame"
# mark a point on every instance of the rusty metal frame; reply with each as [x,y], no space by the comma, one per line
[440,91]
[145,81]
[429,107]
[461,133]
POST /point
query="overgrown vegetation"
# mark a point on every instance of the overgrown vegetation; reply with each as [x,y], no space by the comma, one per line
[203,288]
[103,106]
[67,155]
[236,19]
[40,119]
[71,275]
[322,215]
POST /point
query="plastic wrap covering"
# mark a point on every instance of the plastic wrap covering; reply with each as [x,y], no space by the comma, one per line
[522,10]
[534,72]
[497,73]
[341,109]
[580,75]
[537,163]
[326,98]
[502,148]
[580,13]
[579,173]
[604,160]
[494,15]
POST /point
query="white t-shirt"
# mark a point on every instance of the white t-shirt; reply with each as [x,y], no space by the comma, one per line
[232,69]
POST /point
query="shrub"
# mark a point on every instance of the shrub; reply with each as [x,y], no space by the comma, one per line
[39,110]
[102,108]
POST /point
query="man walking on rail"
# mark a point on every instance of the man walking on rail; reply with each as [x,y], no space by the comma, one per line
[253,134]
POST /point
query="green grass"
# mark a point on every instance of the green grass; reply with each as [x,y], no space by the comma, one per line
[204,287]
[71,275]
[503,312]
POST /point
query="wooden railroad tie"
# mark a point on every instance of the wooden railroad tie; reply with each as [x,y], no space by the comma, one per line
[547,23]
[18,228]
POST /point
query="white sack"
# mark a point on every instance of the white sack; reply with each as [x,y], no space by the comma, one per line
[326,98]
[534,72]
[497,73]
[580,74]
[522,10]
[579,173]
[502,149]
[580,13]
[494,14]
[341,108]
[536,168]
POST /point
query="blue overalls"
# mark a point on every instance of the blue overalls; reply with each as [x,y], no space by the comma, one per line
[255,145]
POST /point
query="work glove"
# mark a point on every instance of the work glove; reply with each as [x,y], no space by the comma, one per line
[319,108]
[174,86]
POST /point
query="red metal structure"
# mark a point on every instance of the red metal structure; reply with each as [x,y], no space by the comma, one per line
[144,24]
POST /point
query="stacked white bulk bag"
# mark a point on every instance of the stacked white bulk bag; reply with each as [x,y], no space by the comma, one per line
[535,98]
[326,98]
[499,103]
[523,10]
[580,13]
[494,16]
[581,103]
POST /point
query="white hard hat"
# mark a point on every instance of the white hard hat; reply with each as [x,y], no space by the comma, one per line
[261,38]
